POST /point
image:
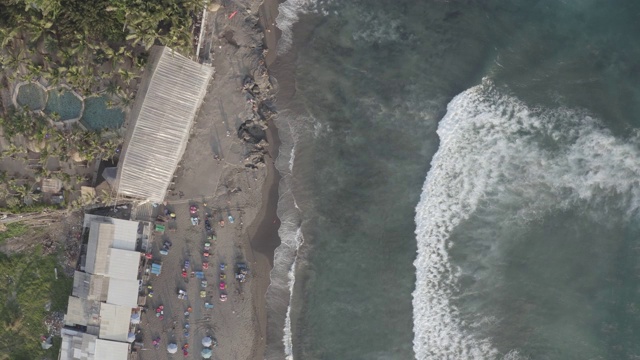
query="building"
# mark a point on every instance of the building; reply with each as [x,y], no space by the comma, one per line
[161,120]
[78,345]
[105,292]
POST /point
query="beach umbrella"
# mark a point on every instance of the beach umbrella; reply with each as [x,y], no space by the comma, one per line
[206,342]
[135,319]
[172,348]
[206,353]
[131,337]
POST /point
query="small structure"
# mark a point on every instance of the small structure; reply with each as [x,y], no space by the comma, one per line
[156,269]
[51,186]
[206,353]
[207,341]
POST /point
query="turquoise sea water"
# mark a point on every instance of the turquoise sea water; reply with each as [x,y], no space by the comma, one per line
[461,180]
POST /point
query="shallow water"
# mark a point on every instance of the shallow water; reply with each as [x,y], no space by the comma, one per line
[32,96]
[525,224]
[97,115]
[64,104]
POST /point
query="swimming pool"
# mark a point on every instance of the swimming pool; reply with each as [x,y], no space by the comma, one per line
[64,103]
[97,114]
[31,95]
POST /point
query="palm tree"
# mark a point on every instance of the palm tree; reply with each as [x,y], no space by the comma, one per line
[21,191]
[44,157]
[126,76]
[13,151]
[107,197]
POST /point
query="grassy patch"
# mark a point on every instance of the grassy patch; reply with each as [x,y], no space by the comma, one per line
[13,230]
[27,284]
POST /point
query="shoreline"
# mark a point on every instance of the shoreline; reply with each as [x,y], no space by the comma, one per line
[263,232]
[263,238]
[228,166]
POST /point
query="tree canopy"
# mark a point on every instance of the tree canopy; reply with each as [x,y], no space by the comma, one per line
[70,39]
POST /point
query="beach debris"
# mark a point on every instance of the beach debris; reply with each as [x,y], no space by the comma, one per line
[233,14]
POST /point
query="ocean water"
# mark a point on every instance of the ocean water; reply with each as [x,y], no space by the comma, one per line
[461,180]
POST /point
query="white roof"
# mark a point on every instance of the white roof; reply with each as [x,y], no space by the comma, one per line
[77,345]
[125,234]
[100,239]
[123,264]
[114,322]
[123,292]
[111,350]
[162,125]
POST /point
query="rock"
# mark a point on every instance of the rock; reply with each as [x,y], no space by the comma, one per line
[251,132]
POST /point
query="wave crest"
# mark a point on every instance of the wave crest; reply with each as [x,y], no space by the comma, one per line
[523,162]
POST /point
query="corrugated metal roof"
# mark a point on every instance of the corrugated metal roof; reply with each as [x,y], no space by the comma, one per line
[100,239]
[162,126]
[125,235]
[77,345]
[123,264]
[114,322]
[111,350]
[82,312]
[90,287]
[123,292]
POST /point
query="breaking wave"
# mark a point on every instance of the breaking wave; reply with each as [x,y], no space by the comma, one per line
[288,14]
[524,162]
[281,289]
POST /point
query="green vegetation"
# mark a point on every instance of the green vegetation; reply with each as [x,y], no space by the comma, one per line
[28,284]
[90,145]
[13,230]
[90,44]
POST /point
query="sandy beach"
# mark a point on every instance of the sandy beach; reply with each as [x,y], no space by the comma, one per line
[232,172]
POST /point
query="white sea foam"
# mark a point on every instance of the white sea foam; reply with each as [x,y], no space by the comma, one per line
[288,14]
[292,130]
[381,28]
[287,338]
[496,150]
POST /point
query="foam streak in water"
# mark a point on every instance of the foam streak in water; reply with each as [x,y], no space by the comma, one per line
[497,150]
[283,280]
